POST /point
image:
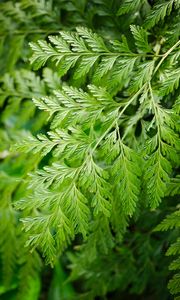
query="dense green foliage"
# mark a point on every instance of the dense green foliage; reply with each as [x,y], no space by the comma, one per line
[89,153]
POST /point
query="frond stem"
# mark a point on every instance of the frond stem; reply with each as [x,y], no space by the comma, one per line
[165,55]
[120,114]
[156,114]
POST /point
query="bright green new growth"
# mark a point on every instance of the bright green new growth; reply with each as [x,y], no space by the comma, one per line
[99,169]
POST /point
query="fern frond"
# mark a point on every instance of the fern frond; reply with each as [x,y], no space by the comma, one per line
[17,89]
[175,265]
[157,176]
[39,144]
[161,146]
[108,149]
[70,101]
[44,51]
[82,181]
[173,187]
[141,38]
[84,50]
[170,82]
[39,8]
[126,174]
[95,180]
[159,12]
[174,285]
[143,75]
[129,6]
[170,222]
[67,208]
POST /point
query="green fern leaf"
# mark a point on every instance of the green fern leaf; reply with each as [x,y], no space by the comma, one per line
[174,249]
[159,12]
[174,284]
[126,174]
[129,6]
[171,221]
[141,38]
[170,82]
